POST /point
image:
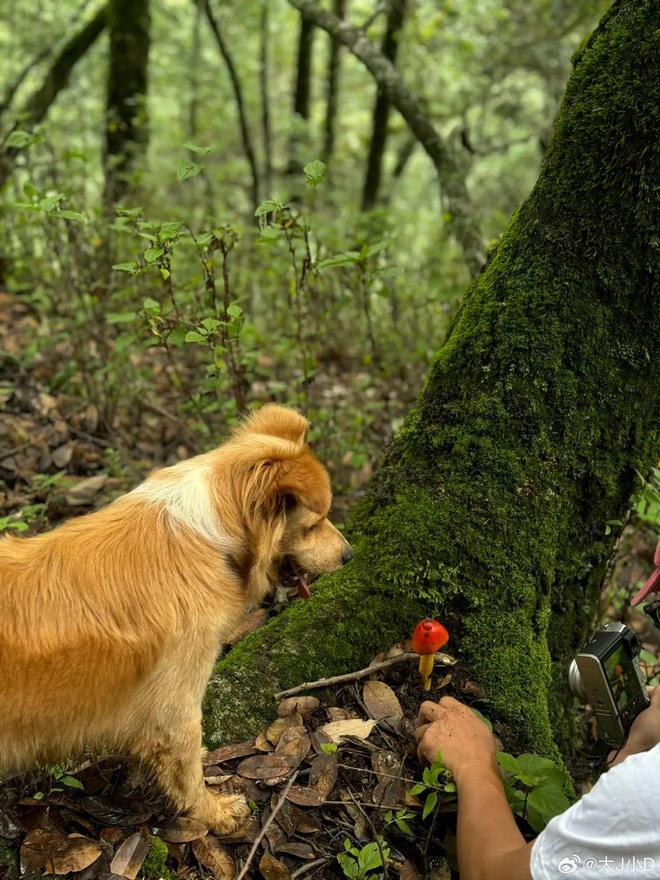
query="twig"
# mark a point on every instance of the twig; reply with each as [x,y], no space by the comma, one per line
[308,867]
[444,659]
[265,827]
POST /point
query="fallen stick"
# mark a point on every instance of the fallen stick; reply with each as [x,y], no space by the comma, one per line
[443,659]
[265,827]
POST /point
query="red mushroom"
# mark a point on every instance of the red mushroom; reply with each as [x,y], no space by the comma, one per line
[429,636]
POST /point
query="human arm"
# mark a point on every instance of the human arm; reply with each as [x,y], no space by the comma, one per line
[468,750]
[644,733]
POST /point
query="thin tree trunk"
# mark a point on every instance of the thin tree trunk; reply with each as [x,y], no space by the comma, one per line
[403,157]
[492,506]
[332,93]
[194,68]
[302,89]
[264,75]
[57,76]
[246,138]
[395,17]
[126,128]
[464,222]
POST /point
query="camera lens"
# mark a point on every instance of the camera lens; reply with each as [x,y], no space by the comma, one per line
[575,681]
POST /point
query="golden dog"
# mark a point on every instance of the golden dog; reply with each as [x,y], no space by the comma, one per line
[110,624]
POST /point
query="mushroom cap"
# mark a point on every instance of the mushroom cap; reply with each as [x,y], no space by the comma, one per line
[429,636]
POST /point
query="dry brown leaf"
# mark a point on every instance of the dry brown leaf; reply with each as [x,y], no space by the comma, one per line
[299,850]
[228,753]
[337,714]
[277,728]
[284,818]
[182,830]
[303,796]
[272,869]
[50,851]
[85,492]
[305,822]
[62,455]
[294,745]
[323,774]
[385,764]
[218,859]
[262,744]
[303,705]
[264,767]
[360,825]
[247,833]
[129,857]
[408,871]
[336,730]
[381,702]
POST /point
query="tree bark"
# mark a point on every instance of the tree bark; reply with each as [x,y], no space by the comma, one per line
[57,78]
[246,138]
[464,223]
[491,508]
[332,92]
[302,89]
[126,129]
[264,75]
[395,17]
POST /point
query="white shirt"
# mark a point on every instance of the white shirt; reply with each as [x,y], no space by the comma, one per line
[613,831]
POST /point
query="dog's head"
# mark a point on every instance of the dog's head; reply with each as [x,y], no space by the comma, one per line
[283,493]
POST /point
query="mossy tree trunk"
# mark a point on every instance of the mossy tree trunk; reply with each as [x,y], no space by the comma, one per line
[491,508]
[126,130]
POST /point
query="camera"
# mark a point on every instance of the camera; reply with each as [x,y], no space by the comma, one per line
[607,675]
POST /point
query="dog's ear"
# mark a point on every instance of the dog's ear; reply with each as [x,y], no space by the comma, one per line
[277,421]
[306,480]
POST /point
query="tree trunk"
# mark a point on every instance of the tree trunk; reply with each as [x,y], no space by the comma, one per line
[302,90]
[492,506]
[332,93]
[463,219]
[264,75]
[126,130]
[57,78]
[395,18]
[240,103]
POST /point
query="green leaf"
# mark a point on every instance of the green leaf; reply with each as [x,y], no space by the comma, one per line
[270,206]
[120,317]
[430,804]
[482,718]
[150,305]
[543,803]
[76,216]
[185,169]
[131,267]
[50,202]
[18,140]
[71,782]
[329,748]
[314,172]
[234,310]
[210,324]
[169,231]
[202,151]
[418,788]
[153,253]
[348,258]
[177,336]
[450,787]
[194,336]
[508,762]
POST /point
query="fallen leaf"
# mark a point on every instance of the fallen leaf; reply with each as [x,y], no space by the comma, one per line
[305,823]
[129,857]
[85,492]
[62,455]
[303,796]
[53,853]
[247,833]
[228,753]
[294,745]
[272,869]
[277,728]
[336,730]
[299,850]
[408,871]
[211,854]
[381,702]
[323,774]
[182,830]
[264,767]
[385,764]
[262,744]
[303,705]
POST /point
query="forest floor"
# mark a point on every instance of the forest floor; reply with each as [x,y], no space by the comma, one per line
[334,771]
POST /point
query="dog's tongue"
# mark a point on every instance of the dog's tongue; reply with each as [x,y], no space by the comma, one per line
[303,587]
[653,583]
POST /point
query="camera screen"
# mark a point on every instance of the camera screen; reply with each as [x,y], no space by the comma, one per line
[621,676]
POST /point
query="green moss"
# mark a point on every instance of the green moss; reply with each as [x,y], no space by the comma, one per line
[8,862]
[491,507]
[154,866]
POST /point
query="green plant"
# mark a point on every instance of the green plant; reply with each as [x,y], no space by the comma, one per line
[61,776]
[436,780]
[534,787]
[21,521]
[400,818]
[366,863]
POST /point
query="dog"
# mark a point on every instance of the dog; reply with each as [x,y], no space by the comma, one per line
[111,623]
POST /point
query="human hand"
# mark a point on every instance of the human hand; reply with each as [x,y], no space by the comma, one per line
[454,730]
[644,733]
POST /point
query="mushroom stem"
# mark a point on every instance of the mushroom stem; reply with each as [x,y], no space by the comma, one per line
[425,669]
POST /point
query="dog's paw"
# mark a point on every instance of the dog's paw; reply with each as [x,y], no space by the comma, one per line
[224,813]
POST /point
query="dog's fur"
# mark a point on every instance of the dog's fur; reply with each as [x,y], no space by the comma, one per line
[111,623]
